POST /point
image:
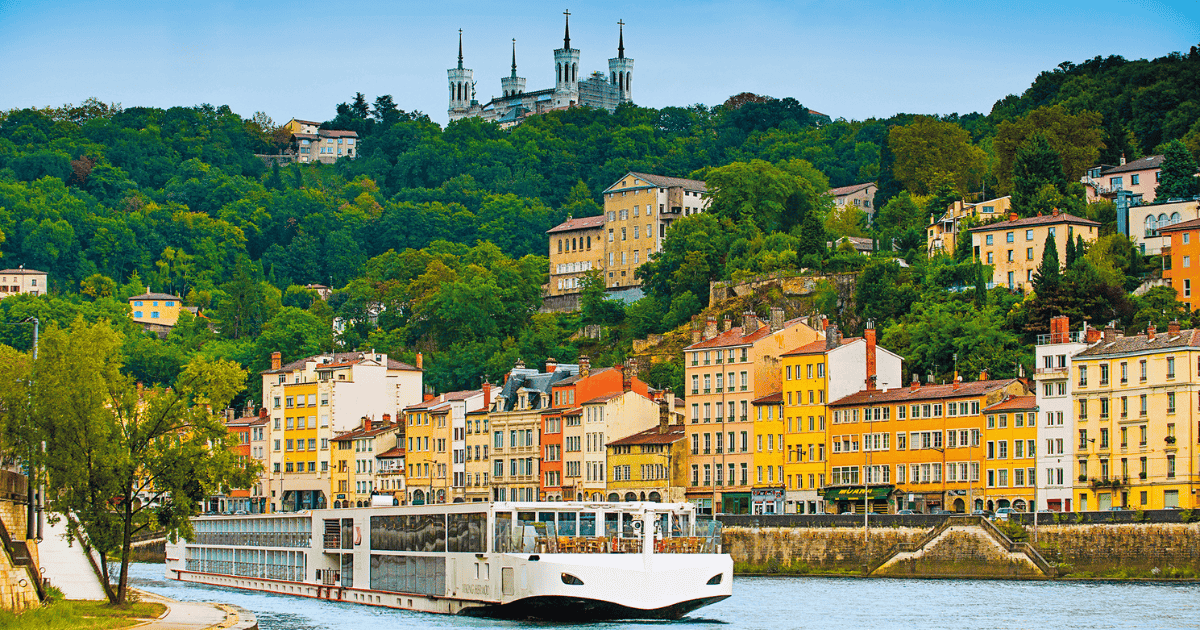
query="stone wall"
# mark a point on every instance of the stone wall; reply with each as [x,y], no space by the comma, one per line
[17,589]
[1114,549]
[815,550]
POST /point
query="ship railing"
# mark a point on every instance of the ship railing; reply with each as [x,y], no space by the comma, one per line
[254,539]
[544,537]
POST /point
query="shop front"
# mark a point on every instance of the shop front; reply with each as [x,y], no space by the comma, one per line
[767,500]
[856,500]
[735,503]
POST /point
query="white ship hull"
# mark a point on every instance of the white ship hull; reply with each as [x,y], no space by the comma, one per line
[521,571]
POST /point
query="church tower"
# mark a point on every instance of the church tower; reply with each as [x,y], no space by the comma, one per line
[566,70]
[513,84]
[462,86]
[620,69]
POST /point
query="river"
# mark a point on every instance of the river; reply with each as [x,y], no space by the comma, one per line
[786,603]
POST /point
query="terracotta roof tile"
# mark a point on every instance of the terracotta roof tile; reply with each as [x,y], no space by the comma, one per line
[734,336]
[578,223]
[924,392]
[846,190]
[1014,403]
[674,433]
[1140,164]
[769,399]
[1140,343]
[1046,219]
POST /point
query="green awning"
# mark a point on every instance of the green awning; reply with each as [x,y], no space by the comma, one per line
[856,494]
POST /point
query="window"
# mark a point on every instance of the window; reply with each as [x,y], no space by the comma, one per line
[1008,237]
[988,239]
[1135,179]
[1028,253]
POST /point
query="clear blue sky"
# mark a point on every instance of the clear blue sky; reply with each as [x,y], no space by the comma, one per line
[300,59]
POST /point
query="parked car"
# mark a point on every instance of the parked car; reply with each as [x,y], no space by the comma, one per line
[1117,508]
[908,512]
[1003,514]
[940,512]
[983,513]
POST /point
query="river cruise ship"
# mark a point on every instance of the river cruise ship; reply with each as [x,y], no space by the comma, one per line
[555,561]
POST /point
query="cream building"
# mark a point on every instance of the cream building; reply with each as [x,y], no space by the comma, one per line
[601,420]
[515,416]
[638,209]
[1013,248]
[1147,221]
[942,234]
[576,247]
[310,143]
[22,280]
[861,196]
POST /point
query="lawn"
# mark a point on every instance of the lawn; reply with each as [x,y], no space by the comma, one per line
[81,615]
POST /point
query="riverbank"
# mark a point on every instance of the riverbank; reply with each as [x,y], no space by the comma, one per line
[83,615]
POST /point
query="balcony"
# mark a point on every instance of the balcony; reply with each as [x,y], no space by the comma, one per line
[1051,371]
[1054,338]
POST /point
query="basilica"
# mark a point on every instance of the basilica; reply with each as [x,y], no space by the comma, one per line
[596,90]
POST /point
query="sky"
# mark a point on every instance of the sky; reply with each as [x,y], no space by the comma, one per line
[847,59]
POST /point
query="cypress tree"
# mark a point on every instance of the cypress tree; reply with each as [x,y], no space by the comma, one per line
[1048,276]
[1071,254]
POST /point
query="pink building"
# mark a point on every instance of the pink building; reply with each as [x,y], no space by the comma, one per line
[1139,177]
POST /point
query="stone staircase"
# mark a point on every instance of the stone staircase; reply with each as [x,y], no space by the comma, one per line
[1005,552]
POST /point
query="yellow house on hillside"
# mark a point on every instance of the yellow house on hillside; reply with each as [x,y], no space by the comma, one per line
[155,308]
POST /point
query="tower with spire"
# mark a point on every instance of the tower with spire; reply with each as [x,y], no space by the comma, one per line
[620,69]
[513,85]
[566,70]
[462,86]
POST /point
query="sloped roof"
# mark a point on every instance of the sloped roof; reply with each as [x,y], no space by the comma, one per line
[674,433]
[769,399]
[734,336]
[580,223]
[536,385]
[818,347]
[663,181]
[442,399]
[1140,164]
[846,190]
[1141,343]
[375,429]
[391,453]
[23,272]
[341,358]
[1046,219]
[1014,403]
[1184,225]
[924,392]
[155,296]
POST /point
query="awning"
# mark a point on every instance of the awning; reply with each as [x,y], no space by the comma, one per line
[856,494]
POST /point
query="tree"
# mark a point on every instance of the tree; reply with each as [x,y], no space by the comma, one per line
[928,148]
[1076,139]
[120,459]
[1048,276]
[1038,184]
[1179,179]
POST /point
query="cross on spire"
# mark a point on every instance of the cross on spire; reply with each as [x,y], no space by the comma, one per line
[567,34]
[514,63]
[460,49]
[621,42]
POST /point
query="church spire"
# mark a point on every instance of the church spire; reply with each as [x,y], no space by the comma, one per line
[460,66]
[621,41]
[514,64]
[567,33]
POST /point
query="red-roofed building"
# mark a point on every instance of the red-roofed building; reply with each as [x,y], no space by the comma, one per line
[861,196]
[310,143]
[724,370]
[1013,248]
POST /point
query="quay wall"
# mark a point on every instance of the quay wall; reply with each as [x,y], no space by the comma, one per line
[1076,547]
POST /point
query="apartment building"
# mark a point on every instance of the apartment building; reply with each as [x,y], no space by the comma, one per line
[1013,248]
[516,417]
[435,446]
[354,478]
[22,280]
[650,465]
[861,196]
[310,143]
[943,232]
[260,449]
[1153,226]
[766,493]
[1054,389]
[1181,264]
[390,469]
[638,209]
[1136,423]
[236,500]
[314,399]
[576,247]
[813,374]
[478,465]
[723,372]
[1010,445]
[1140,176]
[919,447]
[602,419]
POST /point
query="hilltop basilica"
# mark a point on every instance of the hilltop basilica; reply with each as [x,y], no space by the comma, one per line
[596,90]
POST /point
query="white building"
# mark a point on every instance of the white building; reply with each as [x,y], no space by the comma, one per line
[22,280]
[604,419]
[1056,414]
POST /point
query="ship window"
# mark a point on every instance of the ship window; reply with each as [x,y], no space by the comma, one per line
[714,580]
[567,578]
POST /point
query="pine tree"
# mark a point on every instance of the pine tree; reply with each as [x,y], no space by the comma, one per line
[888,185]
[1178,173]
[1071,253]
[1048,276]
[1035,165]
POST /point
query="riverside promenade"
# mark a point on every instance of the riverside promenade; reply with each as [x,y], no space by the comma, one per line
[197,615]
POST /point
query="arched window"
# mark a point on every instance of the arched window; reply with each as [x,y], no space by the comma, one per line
[1162,221]
[574,72]
[1175,218]
[614,78]
[558,72]
[628,81]
[1150,225]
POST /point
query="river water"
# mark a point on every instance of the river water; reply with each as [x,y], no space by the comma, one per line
[785,603]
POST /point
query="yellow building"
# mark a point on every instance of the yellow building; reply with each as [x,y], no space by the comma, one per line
[426,435]
[942,234]
[767,492]
[576,247]
[478,464]
[650,465]
[301,482]
[1010,449]
[1013,248]
[155,308]
[1136,420]
[638,209]
[355,478]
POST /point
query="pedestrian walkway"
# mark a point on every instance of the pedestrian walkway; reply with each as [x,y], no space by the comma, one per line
[186,615]
[66,565]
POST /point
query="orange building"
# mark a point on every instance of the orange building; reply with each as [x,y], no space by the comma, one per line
[239,433]
[918,447]
[1181,266]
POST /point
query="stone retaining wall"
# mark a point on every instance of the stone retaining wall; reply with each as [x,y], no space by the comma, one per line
[823,550]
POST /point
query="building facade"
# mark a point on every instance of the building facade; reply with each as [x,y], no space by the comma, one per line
[650,465]
[600,90]
[638,209]
[22,280]
[943,232]
[1010,445]
[576,247]
[1136,424]
[723,373]
[310,143]
[1014,248]
[1140,176]
[1055,389]
[1152,225]
[516,418]
[861,196]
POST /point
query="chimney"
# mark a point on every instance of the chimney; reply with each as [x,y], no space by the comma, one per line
[1060,328]
[983,375]
[710,328]
[1150,331]
[872,374]
[229,414]
[1122,158]
[551,365]
[1054,212]
[1173,327]
[823,322]
[366,425]
[427,396]
[487,395]
[833,338]
[585,365]
[1092,334]
[1012,216]
[276,360]
[916,382]
[262,413]
[749,322]
[957,382]
[420,361]
[664,416]
[1110,333]
[929,378]
[628,371]
[728,323]
[387,419]
[520,364]
[776,318]
[697,335]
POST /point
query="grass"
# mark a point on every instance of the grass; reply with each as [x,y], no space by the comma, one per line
[81,615]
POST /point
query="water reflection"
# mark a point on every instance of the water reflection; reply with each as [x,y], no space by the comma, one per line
[786,603]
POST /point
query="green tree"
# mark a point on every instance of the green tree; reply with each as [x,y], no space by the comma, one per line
[121,460]
[1179,179]
[929,148]
[1048,276]
[1075,139]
